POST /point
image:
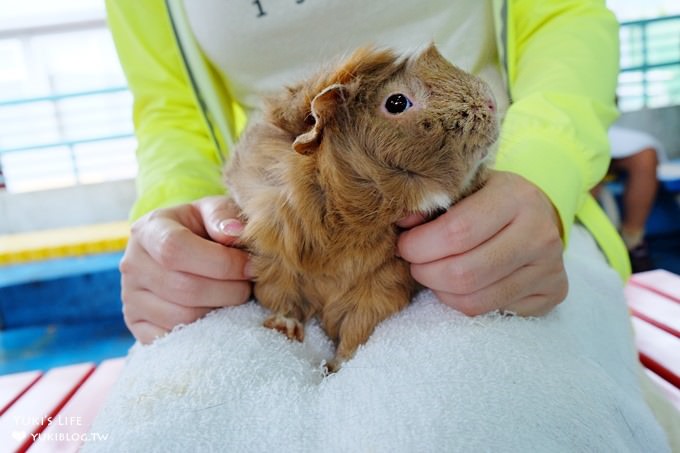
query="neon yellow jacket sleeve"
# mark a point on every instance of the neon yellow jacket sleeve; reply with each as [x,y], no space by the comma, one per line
[177,158]
[562,64]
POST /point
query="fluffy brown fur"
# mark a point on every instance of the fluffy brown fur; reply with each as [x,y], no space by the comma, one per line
[323,178]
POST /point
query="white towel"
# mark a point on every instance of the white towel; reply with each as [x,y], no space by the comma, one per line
[429,379]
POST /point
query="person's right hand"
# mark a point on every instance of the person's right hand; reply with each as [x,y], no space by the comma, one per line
[176,267]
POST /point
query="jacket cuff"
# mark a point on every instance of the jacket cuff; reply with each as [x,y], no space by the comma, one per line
[553,164]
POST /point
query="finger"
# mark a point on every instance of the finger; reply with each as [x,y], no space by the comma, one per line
[177,248]
[229,232]
[501,294]
[411,220]
[190,290]
[463,227]
[145,332]
[535,305]
[220,218]
[140,271]
[143,305]
[552,292]
[493,260]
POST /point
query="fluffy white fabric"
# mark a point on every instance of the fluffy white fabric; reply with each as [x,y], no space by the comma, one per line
[429,379]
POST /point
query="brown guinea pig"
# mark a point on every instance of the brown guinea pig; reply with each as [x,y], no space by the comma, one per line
[334,163]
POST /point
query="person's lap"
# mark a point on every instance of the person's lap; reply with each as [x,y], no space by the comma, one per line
[429,379]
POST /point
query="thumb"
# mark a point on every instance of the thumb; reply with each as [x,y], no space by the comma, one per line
[229,231]
[411,220]
[221,219]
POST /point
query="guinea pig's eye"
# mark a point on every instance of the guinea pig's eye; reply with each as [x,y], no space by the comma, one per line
[310,120]
[397,103]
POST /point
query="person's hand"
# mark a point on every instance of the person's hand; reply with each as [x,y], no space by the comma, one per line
[498,249]
[176,267]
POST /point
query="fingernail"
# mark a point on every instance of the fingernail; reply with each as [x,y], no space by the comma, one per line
[248,270]
[231,227]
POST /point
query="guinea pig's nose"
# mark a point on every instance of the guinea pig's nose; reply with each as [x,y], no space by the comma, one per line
[484,106]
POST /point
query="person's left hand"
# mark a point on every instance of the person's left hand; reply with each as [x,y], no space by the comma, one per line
[498,249]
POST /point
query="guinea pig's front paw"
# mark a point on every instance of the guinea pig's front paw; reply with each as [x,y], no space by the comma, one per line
[334,365]
[290,327]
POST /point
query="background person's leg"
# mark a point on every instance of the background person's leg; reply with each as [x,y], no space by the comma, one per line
[638,198]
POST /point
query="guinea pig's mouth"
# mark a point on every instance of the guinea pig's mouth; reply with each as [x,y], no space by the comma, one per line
[484,133]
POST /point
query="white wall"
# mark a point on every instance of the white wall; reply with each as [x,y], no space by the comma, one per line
[663,123]
[65,207]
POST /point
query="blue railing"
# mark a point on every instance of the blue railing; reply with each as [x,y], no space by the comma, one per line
[650,63]
[67,138]
[68,143]
[58,97]
[54,101]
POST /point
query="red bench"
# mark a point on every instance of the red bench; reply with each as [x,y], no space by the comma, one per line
[53,411]
[654,301]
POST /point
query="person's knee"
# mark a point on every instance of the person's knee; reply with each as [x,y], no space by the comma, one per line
[643,162]
[646,159]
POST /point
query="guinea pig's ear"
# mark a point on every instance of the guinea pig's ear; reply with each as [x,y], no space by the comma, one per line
[432,58]
[323,107]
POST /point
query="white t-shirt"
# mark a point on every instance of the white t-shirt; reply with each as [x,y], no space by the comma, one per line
[260,46]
